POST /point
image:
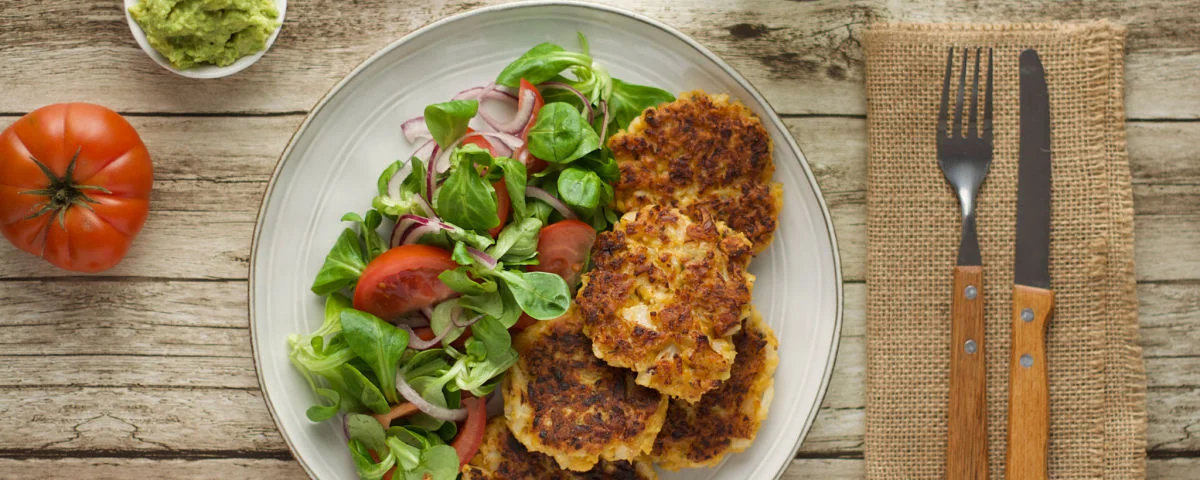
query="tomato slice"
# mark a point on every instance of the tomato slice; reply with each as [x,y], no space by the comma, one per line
[503,202]
[470,433]
[563,248]
[403,280]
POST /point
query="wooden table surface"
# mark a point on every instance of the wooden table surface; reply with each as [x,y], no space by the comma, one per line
[146,369]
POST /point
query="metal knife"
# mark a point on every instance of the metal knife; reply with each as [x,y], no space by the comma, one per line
[1033,300]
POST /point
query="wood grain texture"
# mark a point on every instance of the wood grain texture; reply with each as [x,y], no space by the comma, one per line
[207,194]
[804,56]
[146,369]
[280,469]
[966,447]
[1028,387]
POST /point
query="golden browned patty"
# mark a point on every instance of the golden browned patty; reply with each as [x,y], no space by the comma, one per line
[725,420]
[563,401]
[665,293]
[701,152]
[502,457]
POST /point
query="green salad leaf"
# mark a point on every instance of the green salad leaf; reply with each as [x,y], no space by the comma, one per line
[628,100]
[517,241]
[561,134]
[466,199]
[583,190]
[541,63]
[343,265]
[380,344]
[447,121]
[514,179]
[544,296]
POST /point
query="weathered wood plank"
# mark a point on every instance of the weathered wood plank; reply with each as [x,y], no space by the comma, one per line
[804,56]
[207,195]
[159,314]
[125,318]
[113,468]
[272,469]
[64,419]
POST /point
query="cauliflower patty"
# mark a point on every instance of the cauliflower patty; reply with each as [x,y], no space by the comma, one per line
[664,296]
[701,152]
[726,420]
[563,401]
[502,457]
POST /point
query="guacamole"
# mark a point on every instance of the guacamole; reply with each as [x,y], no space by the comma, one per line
[216,32]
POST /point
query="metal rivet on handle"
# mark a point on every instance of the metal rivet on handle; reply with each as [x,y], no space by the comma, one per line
[971,292]
[1027,314]
[1026,360]
[970,346]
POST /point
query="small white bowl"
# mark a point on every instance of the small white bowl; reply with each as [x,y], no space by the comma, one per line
[202,71]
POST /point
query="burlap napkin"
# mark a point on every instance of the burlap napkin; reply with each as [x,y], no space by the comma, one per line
[1097,381]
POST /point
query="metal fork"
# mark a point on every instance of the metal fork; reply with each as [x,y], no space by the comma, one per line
[964,161]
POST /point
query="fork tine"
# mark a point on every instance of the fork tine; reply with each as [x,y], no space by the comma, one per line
[987,102]
[941,128]
[958,105]
[972,130]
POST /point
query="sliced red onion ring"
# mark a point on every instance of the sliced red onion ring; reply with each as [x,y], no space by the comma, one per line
[412,236]
[491,91]
[603,126]
[524,113]
[482,257]
[415,342]
[428,313]
[427,209]
[440,413]
[557,204]
[504,145]
[591,115]
[415,129]
[414,321]
[499,149]
[522,155]
[393,186]
[407,226]
[468,323]
[426,151]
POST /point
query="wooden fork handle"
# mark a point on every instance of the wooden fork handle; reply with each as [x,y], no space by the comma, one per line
[1028,389]
[966,454]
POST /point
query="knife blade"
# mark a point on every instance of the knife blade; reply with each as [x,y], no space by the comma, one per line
[1033,300]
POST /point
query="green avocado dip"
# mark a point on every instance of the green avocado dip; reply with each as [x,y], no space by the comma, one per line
[216,32]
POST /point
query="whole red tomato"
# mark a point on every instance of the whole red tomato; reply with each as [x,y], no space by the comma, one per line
[75,184]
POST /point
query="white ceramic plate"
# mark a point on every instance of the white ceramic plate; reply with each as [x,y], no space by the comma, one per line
[331,164]
[202,71]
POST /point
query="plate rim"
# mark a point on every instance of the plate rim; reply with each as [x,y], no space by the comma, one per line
[773,117]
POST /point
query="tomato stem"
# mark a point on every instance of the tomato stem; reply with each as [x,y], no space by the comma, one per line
[62,192]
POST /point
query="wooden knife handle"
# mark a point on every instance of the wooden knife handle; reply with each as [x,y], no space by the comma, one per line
[1028,390]
[966,453]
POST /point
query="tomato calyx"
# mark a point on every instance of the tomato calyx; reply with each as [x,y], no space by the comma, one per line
[63,192]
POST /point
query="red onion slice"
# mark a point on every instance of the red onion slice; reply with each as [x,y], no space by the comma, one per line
[482,257]
[414,235]
[557,204]
[440,413]
[415,129]
[426,151]
[604,126]
[491,91]
[415,342]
